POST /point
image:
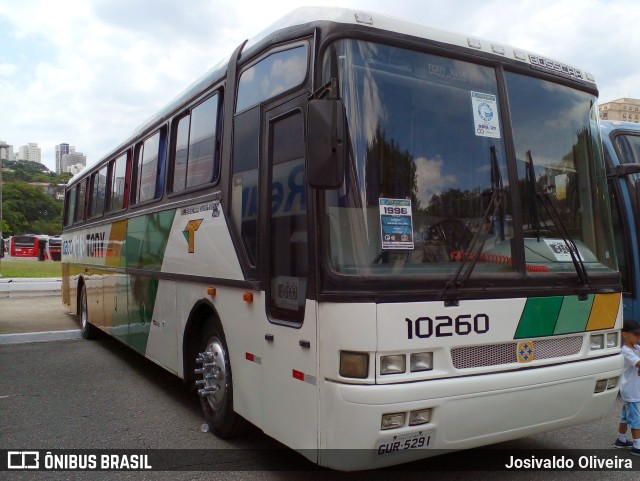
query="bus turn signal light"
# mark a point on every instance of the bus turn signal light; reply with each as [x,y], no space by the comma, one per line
[247,297]
[211,291]
[354,364]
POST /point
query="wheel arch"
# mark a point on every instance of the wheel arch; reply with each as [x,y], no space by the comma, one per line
[202,313]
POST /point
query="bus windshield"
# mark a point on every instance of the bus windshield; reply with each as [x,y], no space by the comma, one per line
[427,186]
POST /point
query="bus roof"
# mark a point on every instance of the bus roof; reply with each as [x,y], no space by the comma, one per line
[306,15]
[608,126]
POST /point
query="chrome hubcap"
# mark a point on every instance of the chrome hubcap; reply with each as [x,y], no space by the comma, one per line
[213,385]
[83,315]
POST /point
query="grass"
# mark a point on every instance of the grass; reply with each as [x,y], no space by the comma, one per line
[29,268]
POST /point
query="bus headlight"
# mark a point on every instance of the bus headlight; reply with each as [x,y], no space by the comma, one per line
[421,361]
[601,386]
[392,421]
[419,417]
[393,364]
[612,382]
[612,339]
[597,342]
[354,364]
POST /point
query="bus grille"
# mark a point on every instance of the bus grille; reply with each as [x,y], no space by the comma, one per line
[498,354]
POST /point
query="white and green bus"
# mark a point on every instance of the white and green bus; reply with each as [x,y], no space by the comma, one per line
[359,233]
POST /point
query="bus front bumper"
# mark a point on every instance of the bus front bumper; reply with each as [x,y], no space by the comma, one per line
[466,412]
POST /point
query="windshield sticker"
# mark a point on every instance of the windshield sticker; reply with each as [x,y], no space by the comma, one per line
[396,223]
[560,249]
[287,292]
[485,115]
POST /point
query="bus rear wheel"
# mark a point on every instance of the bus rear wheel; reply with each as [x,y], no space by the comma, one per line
[215,387]
[87,330]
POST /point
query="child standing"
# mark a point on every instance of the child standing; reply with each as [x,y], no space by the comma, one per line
[630,388]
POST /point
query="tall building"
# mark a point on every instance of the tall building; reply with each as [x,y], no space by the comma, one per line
[60,151]
[72,159]
[30,152]
[627,110]
[6,151]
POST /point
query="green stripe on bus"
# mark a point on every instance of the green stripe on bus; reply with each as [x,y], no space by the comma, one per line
[539,317]
[147,238]
[144,291]
[574,315]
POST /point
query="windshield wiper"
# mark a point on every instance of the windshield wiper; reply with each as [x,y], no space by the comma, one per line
[470,258]
[556,219]
[530,179]
[581,270]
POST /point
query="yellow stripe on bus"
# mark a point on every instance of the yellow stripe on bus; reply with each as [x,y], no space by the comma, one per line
[604,311]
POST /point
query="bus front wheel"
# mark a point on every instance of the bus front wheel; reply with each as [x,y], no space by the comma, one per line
[215,387]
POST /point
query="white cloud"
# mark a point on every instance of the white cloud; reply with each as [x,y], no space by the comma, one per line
[430,179]
[7,69]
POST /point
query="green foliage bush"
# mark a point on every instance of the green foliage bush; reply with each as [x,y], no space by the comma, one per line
[26,208]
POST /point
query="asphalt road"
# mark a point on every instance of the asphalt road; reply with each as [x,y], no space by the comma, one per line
[79,394]
[35,314]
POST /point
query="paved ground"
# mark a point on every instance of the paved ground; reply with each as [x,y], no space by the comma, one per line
[35,314]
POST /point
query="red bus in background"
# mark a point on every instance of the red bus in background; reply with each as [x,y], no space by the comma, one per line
[24,246]
[54,248]
[41,247]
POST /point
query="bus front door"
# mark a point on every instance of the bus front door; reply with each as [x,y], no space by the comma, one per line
[290,384]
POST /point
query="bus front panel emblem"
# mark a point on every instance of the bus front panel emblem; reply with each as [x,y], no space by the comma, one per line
[526,351]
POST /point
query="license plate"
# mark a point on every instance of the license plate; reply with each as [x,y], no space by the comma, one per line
[405,442]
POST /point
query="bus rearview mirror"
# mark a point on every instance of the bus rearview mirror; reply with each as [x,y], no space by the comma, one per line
[326,146]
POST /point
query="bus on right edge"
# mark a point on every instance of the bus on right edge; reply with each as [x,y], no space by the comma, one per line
[621,142]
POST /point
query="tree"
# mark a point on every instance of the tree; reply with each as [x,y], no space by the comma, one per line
[390,172]
[28,209]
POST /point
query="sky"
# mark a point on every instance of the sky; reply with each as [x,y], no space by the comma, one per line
[87,73]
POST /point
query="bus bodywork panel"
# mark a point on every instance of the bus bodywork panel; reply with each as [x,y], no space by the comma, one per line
[484,380]
[124,266]
[120,265]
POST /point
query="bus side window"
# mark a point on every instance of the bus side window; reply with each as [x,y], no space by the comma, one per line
[621,239]
[196,153]
[629,147]
[69,206]
[272,76]
[245,186]
[97,192]
[181,154]
[263,80]
[150,156]
[118,183]
[80,202]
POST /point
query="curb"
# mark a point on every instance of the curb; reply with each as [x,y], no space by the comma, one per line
[25,337]
[29,287]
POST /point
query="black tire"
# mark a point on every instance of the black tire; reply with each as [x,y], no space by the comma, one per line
[87,329]
[217,406]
